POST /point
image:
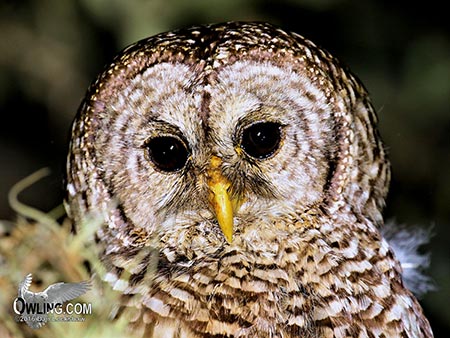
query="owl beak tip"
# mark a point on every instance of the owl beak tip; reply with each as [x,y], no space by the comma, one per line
[221,203]
[228,233]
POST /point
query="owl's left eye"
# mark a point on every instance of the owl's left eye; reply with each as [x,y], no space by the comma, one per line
[262,139]
[168,153]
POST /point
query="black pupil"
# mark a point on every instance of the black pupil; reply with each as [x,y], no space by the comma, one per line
[167,153]
[261,139]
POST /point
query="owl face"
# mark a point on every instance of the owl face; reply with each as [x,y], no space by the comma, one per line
[258,132]
[220,134]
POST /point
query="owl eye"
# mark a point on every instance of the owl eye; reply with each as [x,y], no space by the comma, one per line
[262,139]
[168,153]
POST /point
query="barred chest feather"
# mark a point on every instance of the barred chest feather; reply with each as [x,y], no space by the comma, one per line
[309,282]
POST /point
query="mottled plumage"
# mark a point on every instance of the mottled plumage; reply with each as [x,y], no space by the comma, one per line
[265,221]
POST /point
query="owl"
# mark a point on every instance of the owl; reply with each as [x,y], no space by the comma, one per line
[240,179]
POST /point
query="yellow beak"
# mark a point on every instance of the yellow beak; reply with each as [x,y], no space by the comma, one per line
[220,199]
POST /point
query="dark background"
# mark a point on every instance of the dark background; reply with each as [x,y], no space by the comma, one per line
[50,50]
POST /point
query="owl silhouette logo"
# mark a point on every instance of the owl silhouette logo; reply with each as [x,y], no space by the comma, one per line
[33,308]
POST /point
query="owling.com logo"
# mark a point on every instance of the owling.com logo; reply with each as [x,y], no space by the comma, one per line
[38,308]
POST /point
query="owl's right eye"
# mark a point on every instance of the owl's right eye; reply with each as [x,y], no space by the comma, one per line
[168,153]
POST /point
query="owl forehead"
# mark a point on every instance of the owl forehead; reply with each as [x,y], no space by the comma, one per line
[207,50]
[218,44]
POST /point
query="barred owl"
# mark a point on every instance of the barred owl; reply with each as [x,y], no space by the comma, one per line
[240,179]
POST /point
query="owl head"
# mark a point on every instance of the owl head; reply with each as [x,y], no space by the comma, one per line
[219,134]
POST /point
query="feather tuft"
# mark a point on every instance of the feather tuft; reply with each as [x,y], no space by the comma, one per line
[406,242]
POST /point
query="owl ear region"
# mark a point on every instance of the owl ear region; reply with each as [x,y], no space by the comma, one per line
[219,197]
